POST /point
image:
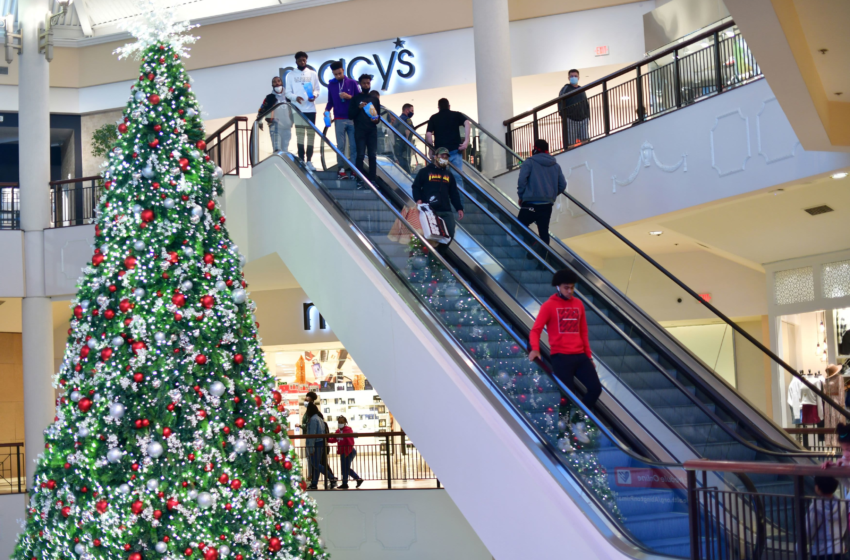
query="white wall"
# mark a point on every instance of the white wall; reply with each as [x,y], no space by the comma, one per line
[734,143]
[12,510]
[12,257]
[396,525]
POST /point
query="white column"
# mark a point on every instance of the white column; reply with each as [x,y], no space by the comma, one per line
[34,159]
[492,36]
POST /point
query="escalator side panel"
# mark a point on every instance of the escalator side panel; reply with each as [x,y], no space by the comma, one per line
[494,468]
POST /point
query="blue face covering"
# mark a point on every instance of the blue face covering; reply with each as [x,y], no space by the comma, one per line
[573,80]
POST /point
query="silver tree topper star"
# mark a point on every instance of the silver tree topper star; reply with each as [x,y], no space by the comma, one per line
[156,24]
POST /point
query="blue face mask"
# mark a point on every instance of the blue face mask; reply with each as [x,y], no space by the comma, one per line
[573,80]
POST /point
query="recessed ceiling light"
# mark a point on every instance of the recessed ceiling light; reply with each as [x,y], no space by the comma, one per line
[840,175]
[655,233]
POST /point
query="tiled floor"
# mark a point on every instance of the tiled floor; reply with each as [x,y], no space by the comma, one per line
[397,485]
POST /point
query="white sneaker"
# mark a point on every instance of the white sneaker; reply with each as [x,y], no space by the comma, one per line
[580,431]
[310,166]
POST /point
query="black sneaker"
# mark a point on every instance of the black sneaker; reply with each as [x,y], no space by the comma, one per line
[344,487]
[359,482]
[312,488]
[333,484]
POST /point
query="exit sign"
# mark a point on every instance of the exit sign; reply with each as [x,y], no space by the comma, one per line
[705,297]
[602,51]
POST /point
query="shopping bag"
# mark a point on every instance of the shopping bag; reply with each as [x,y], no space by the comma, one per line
[433,226]
[399,233]
[370,110]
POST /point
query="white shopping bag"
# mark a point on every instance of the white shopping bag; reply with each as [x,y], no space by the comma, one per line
[433,226]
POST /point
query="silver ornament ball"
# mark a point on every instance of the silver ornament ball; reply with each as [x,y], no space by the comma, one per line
[224,551]
[152,484]
[155,449]
[83,432]
[92,343]
[139,293]
[240,446]
[139,245]
[279,490]
[284,446]
[188,251]
[217,388]
[102,300]
[287,527]
[80,548]
[168,203]
[197,211]
[186,285]
[117,410]
[159,337]
[205,500]
[193,494]
[124,488]
[220,285]
[85,304]
[117,341]
[161,547]
[137,209]
[239,296]
[252,504]
[268,444]
[76,396]
[139,96]
[148,172]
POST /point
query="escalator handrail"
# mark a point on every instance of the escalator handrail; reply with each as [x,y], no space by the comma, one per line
[699,404]
[522,343]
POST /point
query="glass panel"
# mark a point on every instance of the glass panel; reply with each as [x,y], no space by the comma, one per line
[626,487]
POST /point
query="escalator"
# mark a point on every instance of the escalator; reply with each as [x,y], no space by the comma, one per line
[648,363]
[481,298]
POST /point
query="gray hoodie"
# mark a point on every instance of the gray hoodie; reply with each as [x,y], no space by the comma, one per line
[540,179]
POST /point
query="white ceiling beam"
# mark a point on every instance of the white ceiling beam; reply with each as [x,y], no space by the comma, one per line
[84,16]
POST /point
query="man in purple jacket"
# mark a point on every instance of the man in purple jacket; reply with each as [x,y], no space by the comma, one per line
[340,91]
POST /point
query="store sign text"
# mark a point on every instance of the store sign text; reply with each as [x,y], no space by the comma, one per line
[399,61]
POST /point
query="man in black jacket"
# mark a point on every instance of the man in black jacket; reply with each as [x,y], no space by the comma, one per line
[280,123]
[575,112]
[365,126]
[436,186]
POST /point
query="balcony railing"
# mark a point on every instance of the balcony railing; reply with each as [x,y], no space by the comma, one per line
[73,201]
[10,206]
[382,458]
[13,479]
[703,66]
[229,146]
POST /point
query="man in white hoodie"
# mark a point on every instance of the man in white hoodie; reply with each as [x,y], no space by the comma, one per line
[302,89]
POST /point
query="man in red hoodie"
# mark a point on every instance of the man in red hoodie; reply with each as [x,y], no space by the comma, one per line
[563,317]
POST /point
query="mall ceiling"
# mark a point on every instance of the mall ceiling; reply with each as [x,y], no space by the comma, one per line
[95,21]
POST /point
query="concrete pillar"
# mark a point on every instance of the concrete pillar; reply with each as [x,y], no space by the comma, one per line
[492,36]
[34,160]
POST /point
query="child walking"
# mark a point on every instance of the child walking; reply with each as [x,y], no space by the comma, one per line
[562,315]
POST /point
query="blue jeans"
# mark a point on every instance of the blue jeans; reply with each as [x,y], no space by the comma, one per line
[346,467]
[456,159]
[280,135]
[344,129]
[316,465]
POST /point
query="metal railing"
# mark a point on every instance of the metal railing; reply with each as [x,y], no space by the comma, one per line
[229,146]
[385,457]
[733,525]
[12,468]
[73,201]
[823,440]
[10,206]
[703,66]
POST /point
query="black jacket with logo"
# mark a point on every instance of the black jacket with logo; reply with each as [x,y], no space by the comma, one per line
[437,188]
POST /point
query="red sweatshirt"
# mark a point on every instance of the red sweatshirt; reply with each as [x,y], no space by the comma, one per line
[566,324]
[345,444]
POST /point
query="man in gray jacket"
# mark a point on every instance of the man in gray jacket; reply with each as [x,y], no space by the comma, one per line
[540,182]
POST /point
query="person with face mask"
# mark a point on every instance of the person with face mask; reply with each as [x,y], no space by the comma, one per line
[340,91]
[302,89]
[564,319]
[540,182]
[401,148]
[575,112]
[347,453]
[279,120]
[435,186]
[365,126]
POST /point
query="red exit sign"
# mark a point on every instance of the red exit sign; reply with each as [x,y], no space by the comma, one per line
[602,51]
[705,297]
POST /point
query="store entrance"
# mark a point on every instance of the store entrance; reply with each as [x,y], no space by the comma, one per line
[385,458]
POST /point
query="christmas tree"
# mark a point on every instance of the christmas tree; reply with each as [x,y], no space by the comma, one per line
[167,442]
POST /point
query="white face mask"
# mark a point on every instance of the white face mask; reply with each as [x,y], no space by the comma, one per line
[278,89]
[442,162]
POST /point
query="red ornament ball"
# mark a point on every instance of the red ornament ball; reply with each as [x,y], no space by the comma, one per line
[147,215]
[208,302]
[208,258]
[130,263]
[179,300]
[157,127]
[238,358]
[154,143]
[124,305]
[200,359]
[184,164]
[201,145]
[138,377]
[154,99]
[122,128]
[97,259]
[66,511]
[84,404]
[166,432]
[137,507]
[135,556]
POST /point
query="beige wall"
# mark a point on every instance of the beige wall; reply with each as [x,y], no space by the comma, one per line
[280,313]
[322,27]
[88,124]
[753,372]
[12,393]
